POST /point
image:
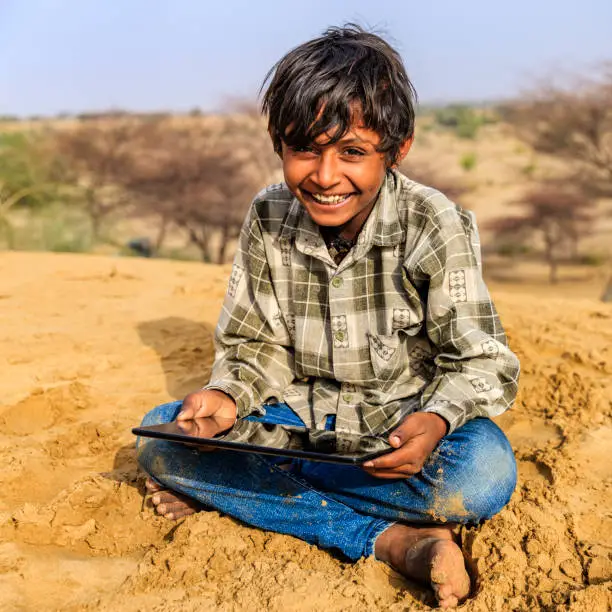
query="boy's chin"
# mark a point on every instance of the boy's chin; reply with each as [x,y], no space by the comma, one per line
[327,220]
[328,215]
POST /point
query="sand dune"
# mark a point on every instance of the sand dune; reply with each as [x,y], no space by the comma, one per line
[88,344]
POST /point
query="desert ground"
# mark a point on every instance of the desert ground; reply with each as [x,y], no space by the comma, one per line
[89,343]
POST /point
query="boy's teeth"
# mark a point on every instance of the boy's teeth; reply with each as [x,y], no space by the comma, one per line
[334,199]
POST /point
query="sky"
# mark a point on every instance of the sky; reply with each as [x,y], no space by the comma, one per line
[174,55]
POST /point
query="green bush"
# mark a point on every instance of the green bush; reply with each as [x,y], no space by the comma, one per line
[56,227]
[463,120]
[512,249]
[468,161]
[24,165]
[592,259]
[529,169]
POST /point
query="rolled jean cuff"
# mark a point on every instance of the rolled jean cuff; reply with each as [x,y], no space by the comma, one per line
[378,526]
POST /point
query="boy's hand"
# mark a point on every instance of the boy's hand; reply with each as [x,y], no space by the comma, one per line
[207,403]
[414,440]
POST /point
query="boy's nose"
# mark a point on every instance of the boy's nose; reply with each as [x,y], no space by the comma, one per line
[326,174]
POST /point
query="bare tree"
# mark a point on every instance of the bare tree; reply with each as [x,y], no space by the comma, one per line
[94,157]
[202,179]
[556,214]
[573,124]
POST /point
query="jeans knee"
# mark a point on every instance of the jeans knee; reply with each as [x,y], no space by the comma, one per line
[164,413]
[484,471]
[150,451]
[493,481]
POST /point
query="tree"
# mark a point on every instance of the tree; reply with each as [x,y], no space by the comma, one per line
[556,214]
[572,124]
[202,178]
[94,158]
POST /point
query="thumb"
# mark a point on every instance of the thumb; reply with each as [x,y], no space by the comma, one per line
[401,434]
[192,405]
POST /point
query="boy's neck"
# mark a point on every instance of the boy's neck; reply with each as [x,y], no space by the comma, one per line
[337,246]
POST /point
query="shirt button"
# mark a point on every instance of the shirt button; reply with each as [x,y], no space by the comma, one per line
[339,335]
[347,397]
[337,282]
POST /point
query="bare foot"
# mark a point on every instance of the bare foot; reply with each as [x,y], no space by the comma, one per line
[429,555]
[169,504]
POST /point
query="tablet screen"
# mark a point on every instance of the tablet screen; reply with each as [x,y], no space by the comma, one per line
[254,436]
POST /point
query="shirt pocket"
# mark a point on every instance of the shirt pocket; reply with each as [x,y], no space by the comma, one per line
[388,355]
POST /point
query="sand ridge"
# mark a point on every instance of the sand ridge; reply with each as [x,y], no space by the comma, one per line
[89,343]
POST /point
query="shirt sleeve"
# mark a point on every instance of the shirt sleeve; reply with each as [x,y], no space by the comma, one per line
[254,357]
[476,373]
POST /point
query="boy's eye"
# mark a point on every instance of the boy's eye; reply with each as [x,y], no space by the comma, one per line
[354,152]
[303,149]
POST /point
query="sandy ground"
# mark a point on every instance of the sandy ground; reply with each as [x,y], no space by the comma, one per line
[88,344]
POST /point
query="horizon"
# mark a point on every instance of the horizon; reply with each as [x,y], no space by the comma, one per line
[197,111]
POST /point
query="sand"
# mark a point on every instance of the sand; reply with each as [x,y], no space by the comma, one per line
[88,344]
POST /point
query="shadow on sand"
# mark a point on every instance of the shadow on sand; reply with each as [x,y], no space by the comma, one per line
[185,349]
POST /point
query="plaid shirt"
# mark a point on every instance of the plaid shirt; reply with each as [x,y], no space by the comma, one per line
[403,323]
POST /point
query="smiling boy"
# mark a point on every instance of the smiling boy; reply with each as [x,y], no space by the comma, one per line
[356,303]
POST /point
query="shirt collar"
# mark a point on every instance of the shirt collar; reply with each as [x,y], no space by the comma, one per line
[383,227]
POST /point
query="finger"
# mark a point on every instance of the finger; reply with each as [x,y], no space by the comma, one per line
[187,412]
[188,427]
[407,470]
[407,454]
[389,474]
[206,449]
[191,407]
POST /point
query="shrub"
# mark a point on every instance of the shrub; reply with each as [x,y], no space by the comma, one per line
[592,259]
[529,169]
[513,249]
[462,119]
[468,161]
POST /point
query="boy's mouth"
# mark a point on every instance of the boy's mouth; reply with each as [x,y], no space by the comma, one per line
[328,199]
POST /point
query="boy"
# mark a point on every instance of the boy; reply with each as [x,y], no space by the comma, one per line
[355,303]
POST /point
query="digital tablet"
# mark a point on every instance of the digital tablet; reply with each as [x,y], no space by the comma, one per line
[267,439]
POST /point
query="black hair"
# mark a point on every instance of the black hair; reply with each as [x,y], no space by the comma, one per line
[321,84]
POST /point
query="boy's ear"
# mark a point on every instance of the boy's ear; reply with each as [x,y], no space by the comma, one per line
[404,148]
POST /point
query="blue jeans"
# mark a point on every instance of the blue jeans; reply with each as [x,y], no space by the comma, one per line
[469,477]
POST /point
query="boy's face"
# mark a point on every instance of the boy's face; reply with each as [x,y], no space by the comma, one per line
[338,183]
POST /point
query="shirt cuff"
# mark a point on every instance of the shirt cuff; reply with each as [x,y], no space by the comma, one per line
[454,415]
[239,393]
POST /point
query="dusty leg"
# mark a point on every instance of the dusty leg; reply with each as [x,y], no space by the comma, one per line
[169,504]
[429,555]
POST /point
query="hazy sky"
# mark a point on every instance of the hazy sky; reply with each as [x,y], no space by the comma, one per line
[76,55]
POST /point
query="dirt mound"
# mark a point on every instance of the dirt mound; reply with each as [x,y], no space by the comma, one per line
[102,341]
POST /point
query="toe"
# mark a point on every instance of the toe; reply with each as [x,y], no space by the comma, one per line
[152,486]
[169,497]
[175,507]
[178,514]
[449,602]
